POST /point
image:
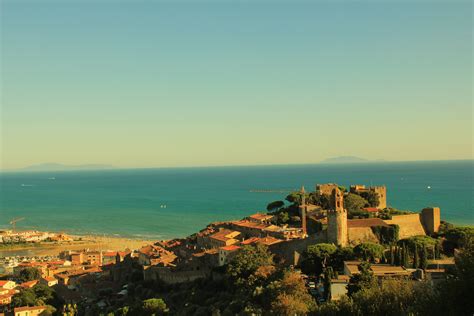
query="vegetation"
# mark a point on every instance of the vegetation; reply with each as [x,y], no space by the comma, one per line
[317,257]
[274,206]
[387,235]
[388,212]
[29,274]
[368,251]
[354,202]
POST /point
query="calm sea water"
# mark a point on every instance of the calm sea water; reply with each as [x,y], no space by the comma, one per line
[132,202]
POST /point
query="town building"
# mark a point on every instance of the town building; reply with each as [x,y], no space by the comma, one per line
[379,270]
[7,285]
[49,281]
[29,310]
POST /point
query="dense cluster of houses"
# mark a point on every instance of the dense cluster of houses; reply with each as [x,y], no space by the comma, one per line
[10,236]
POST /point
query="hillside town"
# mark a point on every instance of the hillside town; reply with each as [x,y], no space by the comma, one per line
[356,223]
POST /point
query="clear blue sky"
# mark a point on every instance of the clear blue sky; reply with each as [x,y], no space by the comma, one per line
[182,83]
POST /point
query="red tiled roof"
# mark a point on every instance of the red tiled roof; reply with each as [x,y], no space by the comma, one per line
[230,248]
[29,283]
[250,241]
[49,278]
[4,282]
[222,235]
[367,222]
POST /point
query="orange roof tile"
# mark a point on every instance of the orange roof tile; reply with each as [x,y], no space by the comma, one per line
[230,248]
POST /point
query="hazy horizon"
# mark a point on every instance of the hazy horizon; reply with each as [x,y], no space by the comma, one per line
[204,83]
[112,167]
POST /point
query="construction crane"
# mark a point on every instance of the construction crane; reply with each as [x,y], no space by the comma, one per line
[14,221]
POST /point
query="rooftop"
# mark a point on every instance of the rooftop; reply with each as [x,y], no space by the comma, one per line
[230,248]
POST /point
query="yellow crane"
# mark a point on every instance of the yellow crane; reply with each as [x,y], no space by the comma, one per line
[14,221]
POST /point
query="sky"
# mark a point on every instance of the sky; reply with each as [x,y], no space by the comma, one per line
[203,83]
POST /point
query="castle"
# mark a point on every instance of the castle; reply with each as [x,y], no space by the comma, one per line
[343,231]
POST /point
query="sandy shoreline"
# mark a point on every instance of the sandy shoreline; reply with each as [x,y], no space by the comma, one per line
[103,243]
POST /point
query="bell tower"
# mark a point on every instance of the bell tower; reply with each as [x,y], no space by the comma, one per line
[337,220]
[303,210]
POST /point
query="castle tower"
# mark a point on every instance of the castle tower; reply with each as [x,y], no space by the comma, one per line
[337,220]
[303,210]
[382,193]
[431,219]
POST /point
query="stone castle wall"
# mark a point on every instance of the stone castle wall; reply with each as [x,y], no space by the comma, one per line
[359,235]
[431,219]
[410,225]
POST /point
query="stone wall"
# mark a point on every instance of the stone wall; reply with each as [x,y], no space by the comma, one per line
[359,235]
[431,219]
[410,225]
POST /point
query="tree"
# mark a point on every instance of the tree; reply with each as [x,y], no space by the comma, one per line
[29,274]
[415,257]
[405,256]
[290,296]
[26,297]
[283,218]
[354,202]
[423,258]
[342,254]
[371,197]
[369,251]
[274,206]
[362,280]
[154,306]
[242,269]
[316,257]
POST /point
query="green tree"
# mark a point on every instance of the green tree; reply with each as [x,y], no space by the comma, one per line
[290,296]
[369,251]
[423,258]
[316,257]
[283,218]
[250,260]
[154,307]
[29,274]
[362,280]
[274,206]
[415,257]
[26,297]
[371,197]
[354,202]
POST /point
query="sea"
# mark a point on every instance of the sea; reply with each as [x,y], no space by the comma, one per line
[176,202]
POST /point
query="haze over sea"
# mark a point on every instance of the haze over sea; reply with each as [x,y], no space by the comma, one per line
[175,202]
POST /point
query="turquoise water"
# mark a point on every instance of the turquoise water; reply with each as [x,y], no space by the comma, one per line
[129,202]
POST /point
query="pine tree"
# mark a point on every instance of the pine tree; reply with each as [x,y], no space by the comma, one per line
[424,258]
[392,256]
[405,256]
[415,258]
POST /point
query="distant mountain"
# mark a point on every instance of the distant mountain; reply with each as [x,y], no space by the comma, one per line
[346,159]
[60,167]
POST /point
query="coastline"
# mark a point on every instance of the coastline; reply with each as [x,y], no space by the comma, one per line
[92,242]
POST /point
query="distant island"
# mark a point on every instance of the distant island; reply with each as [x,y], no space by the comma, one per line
[348,159]
[61,167]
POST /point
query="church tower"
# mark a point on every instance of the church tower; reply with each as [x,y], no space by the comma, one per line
[303,210]
[337,220]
